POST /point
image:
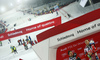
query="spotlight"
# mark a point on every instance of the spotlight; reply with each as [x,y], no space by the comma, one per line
[3,9]
[19,1]
[11,4]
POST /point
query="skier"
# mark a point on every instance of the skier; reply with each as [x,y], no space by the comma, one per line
[9,40]
[57,13]
[68,15]
[15,51]
[27,39]
[30,38]
[89,51]
[35,41]
[13,48]
[19,42]
[94,49]
[0,43]
[25,45]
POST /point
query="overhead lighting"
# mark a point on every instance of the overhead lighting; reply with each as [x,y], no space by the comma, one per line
[19,1]
[11,4]
[3,9]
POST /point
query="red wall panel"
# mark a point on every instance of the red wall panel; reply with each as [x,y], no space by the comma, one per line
[78,47]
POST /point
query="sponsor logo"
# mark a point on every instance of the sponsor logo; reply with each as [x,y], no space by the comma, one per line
[65,37]
[15,33]
[66,59]
[98,48]
[64,54]
[2,36]
[52,22]
[81,54]
[79,48]
[96,42]
[63,49]
[29,29]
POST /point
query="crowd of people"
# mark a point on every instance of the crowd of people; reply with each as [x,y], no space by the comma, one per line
[46,10]
[23,42]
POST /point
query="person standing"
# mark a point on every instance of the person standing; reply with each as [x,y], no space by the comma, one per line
[57,13]
[88,50]
[27,39]
[21,42]
[73,56]
[18,42]
[25,45]
[9,40]
[30,38]
[94,49]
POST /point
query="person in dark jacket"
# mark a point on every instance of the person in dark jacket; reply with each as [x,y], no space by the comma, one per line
[73,56]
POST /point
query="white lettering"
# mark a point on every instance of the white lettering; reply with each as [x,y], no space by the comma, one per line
[2,36]
[30,28]
[43,25]
[15,33]
[83,30]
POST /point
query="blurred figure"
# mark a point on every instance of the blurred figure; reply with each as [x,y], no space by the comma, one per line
[9,40]
[19,42]
[68,15]
[27,39]
[57,13]
[94,49]
[0,43]
[20,59]
[25,45]
[73,56]
[13,48]
[89,51]
[52,11]
[30,38]
[35,41]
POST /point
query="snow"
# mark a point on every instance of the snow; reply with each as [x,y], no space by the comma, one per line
[21,20]
[5,53]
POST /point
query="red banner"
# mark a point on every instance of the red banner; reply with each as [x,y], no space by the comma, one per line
[84,19]
[78,47]
[29,29]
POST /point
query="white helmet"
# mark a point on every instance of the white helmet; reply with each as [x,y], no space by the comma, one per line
[92,42]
